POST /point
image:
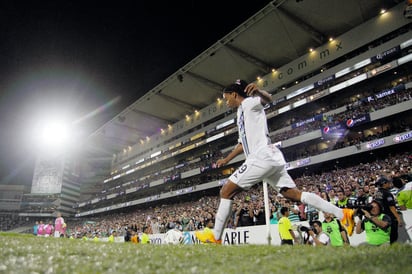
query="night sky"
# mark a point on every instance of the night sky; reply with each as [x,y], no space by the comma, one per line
[72,58]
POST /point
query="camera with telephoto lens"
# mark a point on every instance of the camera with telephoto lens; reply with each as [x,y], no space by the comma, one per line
[304,232]
[303,228]
[359,205]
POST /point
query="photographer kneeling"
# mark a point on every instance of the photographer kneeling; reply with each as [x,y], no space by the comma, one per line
[377,225]
[316,235]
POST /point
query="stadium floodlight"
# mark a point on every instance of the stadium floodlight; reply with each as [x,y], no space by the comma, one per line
[54,133]
[52,136]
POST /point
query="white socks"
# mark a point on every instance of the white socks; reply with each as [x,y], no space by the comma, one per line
[222,216]
[321,204]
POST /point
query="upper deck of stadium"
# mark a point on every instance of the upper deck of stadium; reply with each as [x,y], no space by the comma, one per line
[273,44]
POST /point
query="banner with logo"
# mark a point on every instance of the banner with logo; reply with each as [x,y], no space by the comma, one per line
[318,117]
[324,81]
[334,131]
[258,234]
[386,54]
[358,120]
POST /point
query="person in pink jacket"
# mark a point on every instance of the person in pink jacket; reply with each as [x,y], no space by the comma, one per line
[49,229]
[59,226]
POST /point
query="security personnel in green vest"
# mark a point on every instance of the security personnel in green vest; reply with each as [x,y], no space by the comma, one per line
[377,225]
[336,232]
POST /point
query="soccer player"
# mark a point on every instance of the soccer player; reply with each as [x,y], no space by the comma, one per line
[40,229]
[59,226]
[49,229]
[264,161]
[35,228]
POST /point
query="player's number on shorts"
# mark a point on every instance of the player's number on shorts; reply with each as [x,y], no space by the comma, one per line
[242,168]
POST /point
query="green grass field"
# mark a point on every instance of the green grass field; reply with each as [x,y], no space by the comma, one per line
[28,254]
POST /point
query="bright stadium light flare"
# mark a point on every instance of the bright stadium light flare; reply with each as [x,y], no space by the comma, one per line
[52,136]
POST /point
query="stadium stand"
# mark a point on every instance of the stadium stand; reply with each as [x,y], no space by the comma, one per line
[361,114]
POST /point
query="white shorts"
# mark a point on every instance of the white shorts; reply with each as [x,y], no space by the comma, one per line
[56,234]
[255,170]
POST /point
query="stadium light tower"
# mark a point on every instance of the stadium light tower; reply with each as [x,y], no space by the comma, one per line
[56,170]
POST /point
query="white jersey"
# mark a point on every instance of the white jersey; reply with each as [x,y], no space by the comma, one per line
[264,161]
[252,126]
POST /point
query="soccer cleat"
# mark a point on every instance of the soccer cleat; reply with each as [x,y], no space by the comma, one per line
[206,236]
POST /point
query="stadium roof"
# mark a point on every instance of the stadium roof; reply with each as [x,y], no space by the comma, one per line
[279,33]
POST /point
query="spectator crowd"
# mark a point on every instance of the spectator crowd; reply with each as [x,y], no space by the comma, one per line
[341,186]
